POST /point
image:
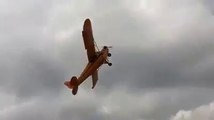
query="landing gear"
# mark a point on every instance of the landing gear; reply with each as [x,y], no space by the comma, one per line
[109,64]
[109,54]
[105,47]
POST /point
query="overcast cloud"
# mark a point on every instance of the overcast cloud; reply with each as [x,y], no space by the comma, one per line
[162,59]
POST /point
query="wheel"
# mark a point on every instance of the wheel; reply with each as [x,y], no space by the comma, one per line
[110,64]
[105,47]
[109,54]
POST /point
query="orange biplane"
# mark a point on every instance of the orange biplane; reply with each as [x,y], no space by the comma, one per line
[96,59]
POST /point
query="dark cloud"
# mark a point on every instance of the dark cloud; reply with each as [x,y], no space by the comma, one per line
[39,74]
[28,66]
[162,59]
[181,65]
[210,5]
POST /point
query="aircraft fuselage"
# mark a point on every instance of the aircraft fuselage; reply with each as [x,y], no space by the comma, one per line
[91,67]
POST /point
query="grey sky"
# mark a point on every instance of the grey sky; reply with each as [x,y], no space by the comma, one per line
[162,59]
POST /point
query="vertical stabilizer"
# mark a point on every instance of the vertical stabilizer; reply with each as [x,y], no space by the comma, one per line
[72,84]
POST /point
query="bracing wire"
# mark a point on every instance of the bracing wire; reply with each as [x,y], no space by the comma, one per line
[99,50]
[96,46]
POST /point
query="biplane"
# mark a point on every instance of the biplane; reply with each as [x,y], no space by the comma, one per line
[96,58]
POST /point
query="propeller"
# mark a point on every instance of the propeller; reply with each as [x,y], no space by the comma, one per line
[108,46]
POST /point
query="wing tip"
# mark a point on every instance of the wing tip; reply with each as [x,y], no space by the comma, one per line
[87,22]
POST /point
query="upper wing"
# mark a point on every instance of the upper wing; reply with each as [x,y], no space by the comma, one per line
[94,78]
[88,40]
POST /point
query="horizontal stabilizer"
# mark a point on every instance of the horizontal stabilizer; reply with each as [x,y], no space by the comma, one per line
[72,84]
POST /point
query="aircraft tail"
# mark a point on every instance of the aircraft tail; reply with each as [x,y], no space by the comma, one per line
[72,84]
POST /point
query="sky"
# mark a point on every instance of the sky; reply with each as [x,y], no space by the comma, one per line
[162,60]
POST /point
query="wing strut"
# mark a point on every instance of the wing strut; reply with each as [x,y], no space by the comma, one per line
[96,46]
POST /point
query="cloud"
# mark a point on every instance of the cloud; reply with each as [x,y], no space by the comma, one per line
[32,109]
[204,112]
[119,103]
[162,58]
[209,5]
